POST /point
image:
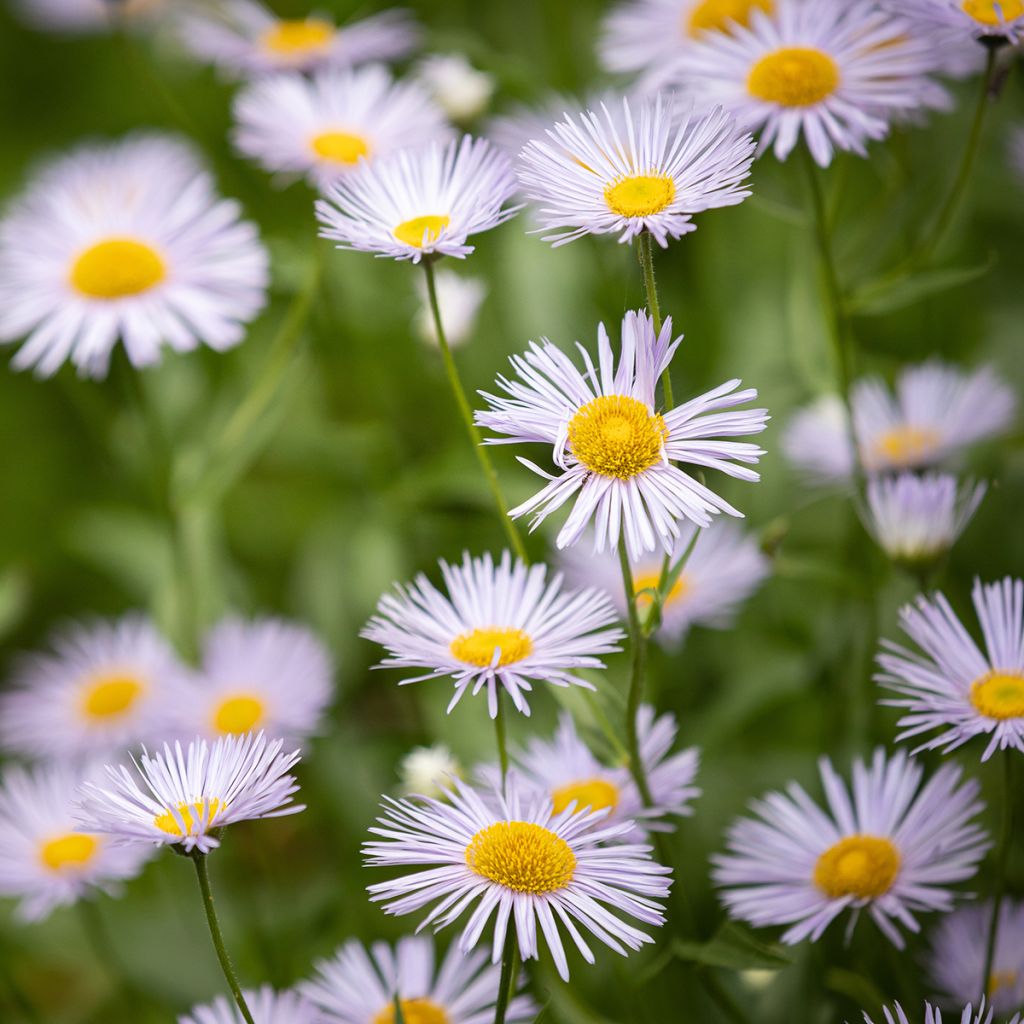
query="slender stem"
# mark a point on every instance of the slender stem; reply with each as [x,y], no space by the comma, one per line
[202,873]
[1002,860]
[467,418]
[499,734]
[645,253]
[507,982]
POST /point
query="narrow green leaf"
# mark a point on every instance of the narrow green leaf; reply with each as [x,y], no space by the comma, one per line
[735,948]
[887,296]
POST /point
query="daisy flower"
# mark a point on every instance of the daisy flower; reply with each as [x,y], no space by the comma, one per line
[459,299]
[266,1005]
[246,39]
[100,689]
[188,796]
[529,867]
[816,442]
[87,16]
[428,771]
[504,625]
[978,19]
[264,674]
[957,957]
[649,170]
[126,240]
[359,986]
[328,125]
[951,685]
[613,450]
[891,848]
[420,203]
[897,1015]
[835,72]
[460,89]
[916,519]
[44,860]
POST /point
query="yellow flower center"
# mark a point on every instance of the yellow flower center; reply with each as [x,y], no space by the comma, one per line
[650,581]
[988,11]
[597,794]
[478,648]
[640,195]
[239,713]
[116,268]
[422,231]
[861,866]
[998,980]
[522,856]
[111,696]
[907,446]
[340,147]
[999,695]
[299,37]
[69,852]
[196,817]
[795,76]
[718,14]
[615,435]
[414,1011]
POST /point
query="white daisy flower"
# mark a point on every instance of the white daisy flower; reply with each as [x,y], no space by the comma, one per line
[835,72]
[428,771]
[951,685]
[648,170]
[88,16]
[891,848]
[461,90]
[264,674]
[529,867]
[327,125]
[459,299]
[816,442]
[724,568]
[504,625]
[979,19]
[612,448]
[188,796]
[916,519]
[957,960]
[266,1006]
[45,861]
[359,986]
[897,1015]
[100,689]
[126,240]
[246,39]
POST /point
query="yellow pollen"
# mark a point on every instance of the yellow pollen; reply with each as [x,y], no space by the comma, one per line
[650,581]
[478,648]
[117,268]
[906,446]
[414,1011]
[615,435]
[239,713]
[422,231]
[718,15]
[196,816]
[988,11]
[795,76]
[340,147]
[999,695]
[597,794]
[522,856]
[70,852]
[640,195]
[299,37]
[111,696]
[998,980]
[860,866]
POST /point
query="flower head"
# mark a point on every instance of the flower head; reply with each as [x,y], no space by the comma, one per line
[977,19]
[460,89]
[428,771]
[266,1005]
[89,16]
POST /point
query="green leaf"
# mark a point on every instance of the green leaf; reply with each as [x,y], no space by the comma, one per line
[886,296]
[735,948]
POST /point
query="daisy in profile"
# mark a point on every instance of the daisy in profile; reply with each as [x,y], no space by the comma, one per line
[724,568]
[459,298]
[957,958]
[978,19]
[951,685]
[916,519]
[421,203]
[529,867]
[934,1016]
[263,674]
[246,39]
[187,796]
[88,16]
[328,125]
[100,689]
[359,986]
[45,861]
[498,626]
[612,450]
[644,170]
[888,846]
[125,241]
[832,72]
[428,771]
[265,1005]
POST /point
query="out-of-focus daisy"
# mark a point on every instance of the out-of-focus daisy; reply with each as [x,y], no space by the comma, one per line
[266,1006]
[979,19]
[892,847]
[44,860]
[265,674]
[328,125]
[957,957]
[428,771]
[724,568]
[188,796]
[245,38]
[915,519]
[359,986]
[816,442]
[126,240]
[100,689]
[897,1015]
[415,204]
[504,625]
[952,686]
[86,16]
[459,299]
[648,170]
[529,867]
[460,89]
[613,450]
[832,71]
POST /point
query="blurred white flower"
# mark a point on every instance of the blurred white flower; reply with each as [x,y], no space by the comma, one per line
[459,299]
[86,16]
[461,90]
[428,771]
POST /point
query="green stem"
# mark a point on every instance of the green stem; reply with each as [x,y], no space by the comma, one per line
[507,982]
[499,734]
[1002,860]
[645,253]
[514,539]
[203,874]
